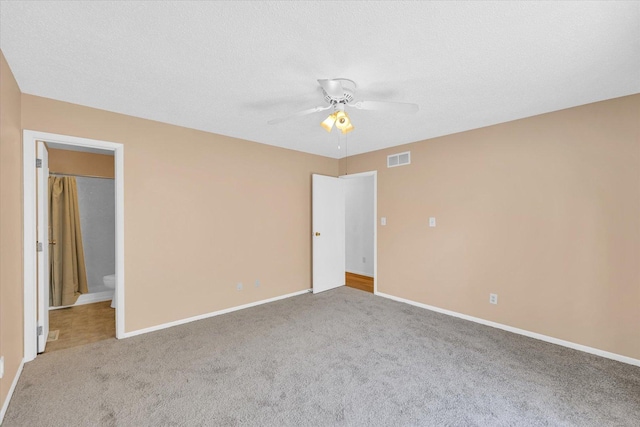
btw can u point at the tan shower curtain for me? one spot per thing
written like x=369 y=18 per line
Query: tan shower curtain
x=68 y=275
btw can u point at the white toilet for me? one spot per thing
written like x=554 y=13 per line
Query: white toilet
x=110 y=282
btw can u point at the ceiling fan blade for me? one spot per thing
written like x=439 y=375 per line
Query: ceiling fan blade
x=332 y=87
x=298 y=114
x=398 y=107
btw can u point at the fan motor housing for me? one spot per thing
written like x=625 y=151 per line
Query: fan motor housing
x=349 y=88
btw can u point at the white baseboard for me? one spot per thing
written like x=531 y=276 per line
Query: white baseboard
x=552 y=340
x=95 y=297
x=5 y=405
x=361 y=273
x=212 y=314
x=89 y=299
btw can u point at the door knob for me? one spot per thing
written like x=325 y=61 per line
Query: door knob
x=53 y=242
x=317 y=233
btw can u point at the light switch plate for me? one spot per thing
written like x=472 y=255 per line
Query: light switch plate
x=432 y=222
x=383 y=220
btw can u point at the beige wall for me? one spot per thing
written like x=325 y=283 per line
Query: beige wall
x=81 y=163
x=11 y=291
x=202 y=212
x=543 y=211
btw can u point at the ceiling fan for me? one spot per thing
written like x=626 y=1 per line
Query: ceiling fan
x=339 y=93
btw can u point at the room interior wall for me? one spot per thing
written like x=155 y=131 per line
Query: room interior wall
x=11 y=290
x=359 y=223
x=543 y=211
x=80 y=163
x=203 y=212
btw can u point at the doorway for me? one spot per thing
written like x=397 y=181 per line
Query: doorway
x=35 y=292
x=89 y=315
x=330 y=262
x=360 y=223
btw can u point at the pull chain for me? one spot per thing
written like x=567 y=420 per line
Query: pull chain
x=346 y=155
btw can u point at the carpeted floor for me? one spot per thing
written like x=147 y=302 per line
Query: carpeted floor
x=343 y=357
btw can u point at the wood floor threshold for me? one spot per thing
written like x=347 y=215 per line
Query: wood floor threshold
x=358 y=281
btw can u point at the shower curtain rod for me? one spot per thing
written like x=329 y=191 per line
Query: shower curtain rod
x=79 y=175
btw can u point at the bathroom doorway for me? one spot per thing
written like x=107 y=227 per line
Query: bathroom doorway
x=88 y=315
x=74 y=159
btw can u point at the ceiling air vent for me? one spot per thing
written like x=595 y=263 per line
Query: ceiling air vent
x=399 y=159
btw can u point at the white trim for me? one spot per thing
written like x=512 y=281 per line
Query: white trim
x=88 y=299
x=212 y=314
x=119 y=193
x=5 y=405
x=375 y=222
x=29 y=211
x=29 y=246
x=535 y=335
x=95 y=297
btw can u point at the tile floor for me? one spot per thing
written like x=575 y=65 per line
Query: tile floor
x=81 y=325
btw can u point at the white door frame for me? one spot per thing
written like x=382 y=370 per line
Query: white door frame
x=375 y=221
x=43 y=235
x=29 y=139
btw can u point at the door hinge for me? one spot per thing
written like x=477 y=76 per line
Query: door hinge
x=40 y=331
x=38 y=163
x=40 y=247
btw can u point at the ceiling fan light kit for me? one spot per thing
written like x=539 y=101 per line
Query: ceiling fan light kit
x=343 y=122
x=327 y=123
x=340 y=93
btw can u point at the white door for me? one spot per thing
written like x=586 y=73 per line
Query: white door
x=42 y=188
x=328 y=219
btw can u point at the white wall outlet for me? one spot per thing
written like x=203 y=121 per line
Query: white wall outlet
x=383 y=220
x=493 y=298
x=432 y=222
x=239 y=286
x=1 y=366
x=257 y=284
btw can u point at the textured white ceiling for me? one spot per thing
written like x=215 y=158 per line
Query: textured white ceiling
x=229 y=67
